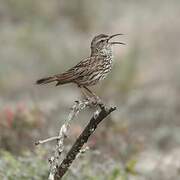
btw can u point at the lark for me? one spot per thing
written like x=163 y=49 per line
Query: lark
x=91 y=70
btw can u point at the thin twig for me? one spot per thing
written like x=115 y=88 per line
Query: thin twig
x=58 y=168
x=75 y=150
x=54 y=160
x=47 y=140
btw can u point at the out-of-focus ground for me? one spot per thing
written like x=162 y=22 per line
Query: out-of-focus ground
x=141 y=140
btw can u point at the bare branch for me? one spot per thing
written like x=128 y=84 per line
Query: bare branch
x=82 y=139
x=46 y=140
x=58 y=168
x=55 y=159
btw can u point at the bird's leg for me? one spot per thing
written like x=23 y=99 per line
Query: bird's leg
x=86 y=96
x=84 y=93
x=97 y=99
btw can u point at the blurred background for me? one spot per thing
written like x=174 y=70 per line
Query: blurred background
x=139 y=141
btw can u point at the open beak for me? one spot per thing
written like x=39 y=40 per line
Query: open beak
x=116 y=42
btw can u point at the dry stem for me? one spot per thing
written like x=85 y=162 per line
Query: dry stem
x=57 y=168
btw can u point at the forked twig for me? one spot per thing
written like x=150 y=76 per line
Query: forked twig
x=57 y=168
x=81 y=140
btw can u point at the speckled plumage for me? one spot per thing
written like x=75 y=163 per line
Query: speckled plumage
x=91 y=70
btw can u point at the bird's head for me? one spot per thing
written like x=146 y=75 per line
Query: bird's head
x=101 y=44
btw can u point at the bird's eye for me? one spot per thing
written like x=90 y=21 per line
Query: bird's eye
x=100 y=41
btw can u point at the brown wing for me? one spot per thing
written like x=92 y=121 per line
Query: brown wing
x=76 y=73
x=80 y=73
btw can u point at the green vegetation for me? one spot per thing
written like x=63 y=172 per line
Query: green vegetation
x=30 y=166
x=43 y=37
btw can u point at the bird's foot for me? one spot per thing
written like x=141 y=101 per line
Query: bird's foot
x=99 y=102
x=95 y=101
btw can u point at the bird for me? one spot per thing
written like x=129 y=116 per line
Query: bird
x=91 y=70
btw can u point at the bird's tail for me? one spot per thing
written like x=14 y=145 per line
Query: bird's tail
x=63 y=78
x=46 y=80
